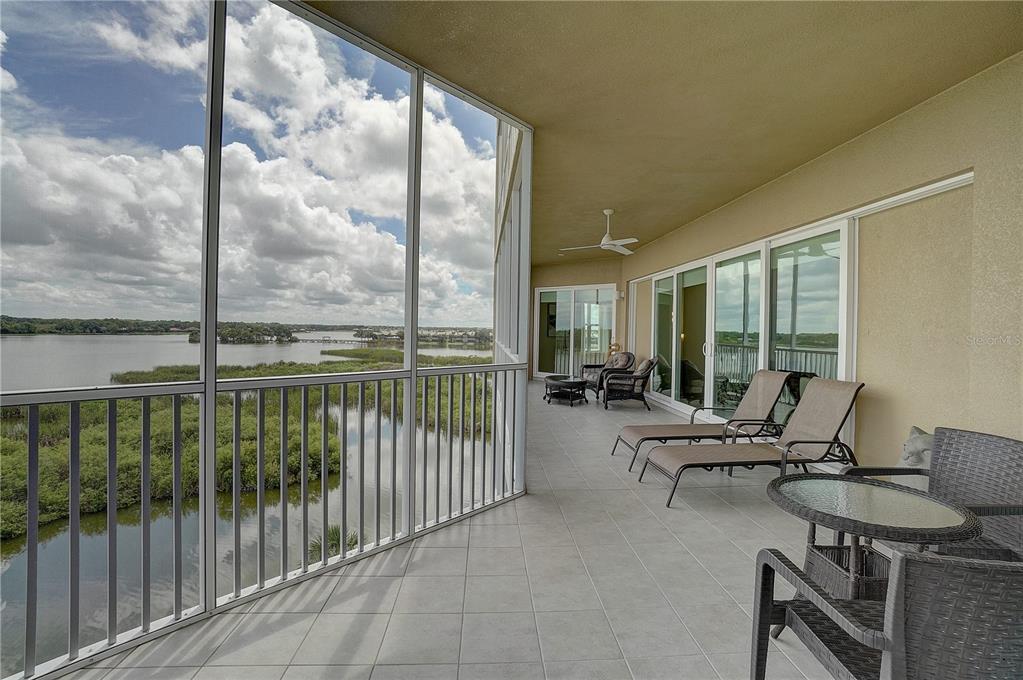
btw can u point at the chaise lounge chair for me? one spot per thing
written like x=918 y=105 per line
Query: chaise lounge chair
x=754 y=410
x=810 y=436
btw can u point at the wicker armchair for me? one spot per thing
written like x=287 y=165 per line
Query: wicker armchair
x=984 y=472
x=945 y=618
x=595 y=374
x=619 y=386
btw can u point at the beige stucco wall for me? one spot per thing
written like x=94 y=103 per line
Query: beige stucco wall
x=913 y=347
x=951 y=266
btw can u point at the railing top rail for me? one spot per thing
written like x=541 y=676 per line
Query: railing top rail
x=96 y=393
x=71 y=394
x=473 y=368
x=233 y=384
x=829 y=352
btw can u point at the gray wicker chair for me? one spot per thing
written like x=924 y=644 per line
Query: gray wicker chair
x=595 y=374
x=983 y=472
x=946 y=618
x=622 y=386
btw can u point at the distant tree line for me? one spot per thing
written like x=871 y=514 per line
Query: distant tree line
x=802 y=340
x=234 y=332
x=244 y=333
x=12 y=325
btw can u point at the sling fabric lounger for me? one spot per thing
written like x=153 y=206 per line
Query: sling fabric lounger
x=754 y=409
x=811 y=436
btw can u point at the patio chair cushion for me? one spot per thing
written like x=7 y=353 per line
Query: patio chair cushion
x=619 y=360
x=592 y=375
x=630 y=383
x=671 y=459
x=632 y=434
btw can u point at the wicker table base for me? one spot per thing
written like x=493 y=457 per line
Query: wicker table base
x=565 y=387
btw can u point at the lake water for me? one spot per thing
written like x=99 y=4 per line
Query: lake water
x=53 y=361
x=53 y=543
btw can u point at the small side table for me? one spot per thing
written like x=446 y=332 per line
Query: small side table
x=868 y=509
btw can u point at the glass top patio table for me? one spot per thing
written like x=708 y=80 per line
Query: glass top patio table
x=873 y=509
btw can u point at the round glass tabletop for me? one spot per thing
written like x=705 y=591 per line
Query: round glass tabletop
x=869 y=507
x=567 y=380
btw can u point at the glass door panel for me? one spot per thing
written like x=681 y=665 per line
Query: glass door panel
x=804 y=311
x=553 y=347
x=591 y=337
x=663 y=335
x=736 y=327
x=691 y=318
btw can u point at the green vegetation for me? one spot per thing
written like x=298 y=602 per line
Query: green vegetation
x=53 y=444
x=333 y=543
x=735 y=338
x=821 y=341
x=241 y=333
x=234 y=332
x=11 y=325
x=394 y=357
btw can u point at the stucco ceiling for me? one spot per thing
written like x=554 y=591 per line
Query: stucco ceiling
x=665 y=111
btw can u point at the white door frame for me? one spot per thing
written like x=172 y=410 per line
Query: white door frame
x=610 y=287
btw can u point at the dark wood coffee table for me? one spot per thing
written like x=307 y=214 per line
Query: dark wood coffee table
x=565 y=387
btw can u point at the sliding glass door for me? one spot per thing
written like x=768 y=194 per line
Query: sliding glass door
x=736 y=327
x=775 y=304
x=804 y=306
x=591 y=330
x=574 y=326
x=691 y=336
x=554 y=325
x=804 y=313
x=663 y=335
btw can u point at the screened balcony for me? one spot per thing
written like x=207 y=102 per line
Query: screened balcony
x=282 y=282
x=345 y=371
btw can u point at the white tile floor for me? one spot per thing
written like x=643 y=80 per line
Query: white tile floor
x=588 y=576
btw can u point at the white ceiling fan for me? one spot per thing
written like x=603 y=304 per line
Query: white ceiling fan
x=608 y=243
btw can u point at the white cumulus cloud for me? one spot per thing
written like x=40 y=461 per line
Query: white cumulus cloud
x=313 y=190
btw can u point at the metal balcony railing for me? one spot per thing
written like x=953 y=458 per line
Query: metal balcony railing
x=738 y=362
x=282 y=497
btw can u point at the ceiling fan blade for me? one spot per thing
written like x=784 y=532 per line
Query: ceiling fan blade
x=618 y=249
x=622 y=241
x=581 y=247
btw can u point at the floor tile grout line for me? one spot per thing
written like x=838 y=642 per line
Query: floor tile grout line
x=390 y=615
x=664 y=595
x=596 y=592
x=465 y=587
x=702 y=564
x=525 y=567
x=219 y=645
x=688 y=550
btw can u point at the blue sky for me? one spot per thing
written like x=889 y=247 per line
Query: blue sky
x=91 y=94
x=110 y=95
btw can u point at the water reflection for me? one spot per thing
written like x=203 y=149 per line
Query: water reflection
x=53 y=540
